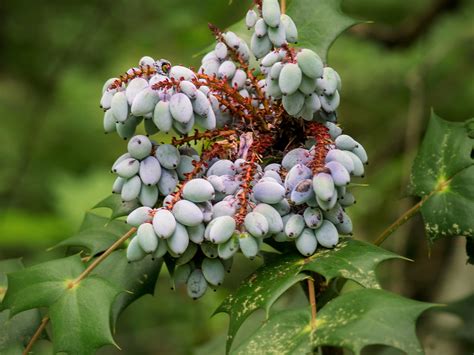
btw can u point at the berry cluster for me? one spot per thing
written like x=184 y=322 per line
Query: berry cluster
x=257 y=153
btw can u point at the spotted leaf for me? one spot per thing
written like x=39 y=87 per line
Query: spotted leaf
x=351 y=259
x=352 y=321
x=442 y=176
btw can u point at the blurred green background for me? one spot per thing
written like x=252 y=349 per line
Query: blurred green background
x=55 y=56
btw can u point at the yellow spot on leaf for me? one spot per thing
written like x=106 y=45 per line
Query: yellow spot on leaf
x=442 y=185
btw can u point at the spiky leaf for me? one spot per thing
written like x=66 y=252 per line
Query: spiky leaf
x=442 y=176
x=96 y=234
x=7 y=266
x=351 y=259
x=40 y=285
x=319 y=23
x=119 y=208
x=80 y=314
x=136 y=279
x=81 y=317
x=15 y=332
x=260 y=291
x=353 y=321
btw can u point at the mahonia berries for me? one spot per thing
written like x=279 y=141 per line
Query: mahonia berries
x=254 y=156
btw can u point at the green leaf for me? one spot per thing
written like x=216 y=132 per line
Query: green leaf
x=286 y=332
x=353 y=321
x=40 y=285
x=136 y=279
x=442 y=176
x=319 y=23
x=118 y=207
x=80 y=315
x=96 y=234
x=92 y=221
x=351 y=259
x=364 y=317
x=15 y=332
x=6 y=266
x=260 y=290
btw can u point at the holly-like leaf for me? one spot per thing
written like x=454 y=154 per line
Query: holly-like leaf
x=93 y=221
x=260 y=290
x=40 y=285
x=15 y=332
x=353 y=321
x=81 y=317
x=80 y=314
x=319 y=23
x=96 y=234
x=136 y=279
x=442 y=176
x=6 y=266
x=119 y=208
x=351 y=259
x=364 y=317
x=286 y=332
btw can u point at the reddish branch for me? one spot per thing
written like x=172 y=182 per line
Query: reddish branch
x=264 y=141
x=258 y=4
x=198 y=136
x=229 y=97
x=259 y=145
x=290 y=55
x=170 y=83
x=226 y=95
x=322 y=146
x=142 y=70
x=248 y=174
x=265 y=114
